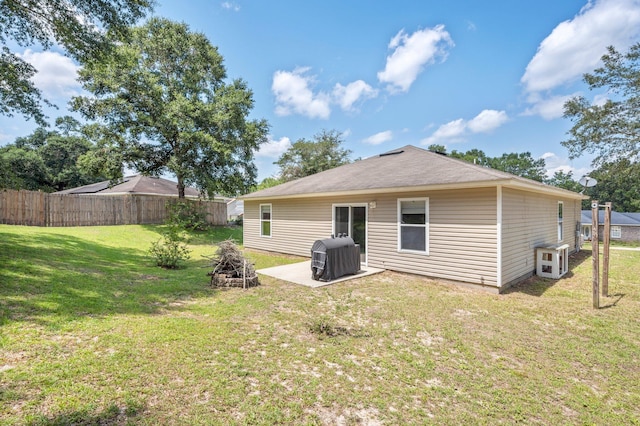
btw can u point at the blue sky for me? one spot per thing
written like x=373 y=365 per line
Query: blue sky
x=464 y=74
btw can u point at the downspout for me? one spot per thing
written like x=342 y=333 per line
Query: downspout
x=499 y=235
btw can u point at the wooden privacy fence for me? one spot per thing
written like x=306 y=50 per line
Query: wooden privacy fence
x=42 y=209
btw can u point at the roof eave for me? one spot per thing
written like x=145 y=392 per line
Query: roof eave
x=545 y=189
x=511 y=183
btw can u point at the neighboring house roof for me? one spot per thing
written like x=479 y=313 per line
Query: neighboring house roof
x=617 y=219
x=235 y=208
x=634 y=216
x=406 y=168
x=137 y=184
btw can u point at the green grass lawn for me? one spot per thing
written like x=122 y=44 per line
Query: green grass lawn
x=91 y=332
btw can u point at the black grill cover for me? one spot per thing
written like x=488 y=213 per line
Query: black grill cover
x=333 y=258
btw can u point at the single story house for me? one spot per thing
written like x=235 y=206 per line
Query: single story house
x=138 y=185
x=624 y=226
x=416 y=211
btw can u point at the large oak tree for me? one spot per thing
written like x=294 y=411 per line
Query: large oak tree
x=609 y=129
x=163 y=106
x=78 y=26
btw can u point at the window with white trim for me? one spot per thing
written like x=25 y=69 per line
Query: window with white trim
x=265 y=220
x=413 y=225
x=560 y=219
x=616 y=232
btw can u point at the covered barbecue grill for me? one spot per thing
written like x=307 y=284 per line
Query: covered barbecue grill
x=333 y=258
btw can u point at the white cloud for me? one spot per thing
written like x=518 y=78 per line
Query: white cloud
x=230 y=6
x=274 y=148
x=379 y=138
x=410 y=55
x=455 y=131
x=451 y=132
x=56 y=75
x=487 y=120
x=452 y=129
x=294 y=95
x=575 y=47
x=348 y=95
x=548 y=108
x=555 y=163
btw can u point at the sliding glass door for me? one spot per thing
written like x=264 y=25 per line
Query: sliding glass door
x=352 y=221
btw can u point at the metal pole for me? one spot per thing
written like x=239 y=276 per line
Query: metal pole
x=595 y=254
x=606 y=241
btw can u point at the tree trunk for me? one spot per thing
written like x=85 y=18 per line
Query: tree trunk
x=180 y=187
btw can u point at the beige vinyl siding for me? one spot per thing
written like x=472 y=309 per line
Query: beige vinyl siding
x=462 y=236
x=295 y=225
x=462 y=232
x=529 y=220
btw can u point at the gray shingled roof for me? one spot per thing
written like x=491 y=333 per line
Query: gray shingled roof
x=137 y=184
x=621 y=219
x=407 y=167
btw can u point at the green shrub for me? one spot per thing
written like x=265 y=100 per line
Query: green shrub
x=187 y=215
x=170 y=250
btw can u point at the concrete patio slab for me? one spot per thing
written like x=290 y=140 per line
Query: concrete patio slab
x=300 y=273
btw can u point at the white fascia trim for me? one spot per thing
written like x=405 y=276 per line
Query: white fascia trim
x=509 y=183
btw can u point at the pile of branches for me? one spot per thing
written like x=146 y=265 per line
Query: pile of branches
x=230 y=263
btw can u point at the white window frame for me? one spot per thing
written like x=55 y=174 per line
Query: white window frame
x=560 y=217
x=425 y=225
x=270 y=220
x=616 y=231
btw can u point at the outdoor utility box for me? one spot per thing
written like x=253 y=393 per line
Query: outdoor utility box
x=333 y=258
x=552 y=261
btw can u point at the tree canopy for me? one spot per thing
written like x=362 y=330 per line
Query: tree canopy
x=564 y=180
x=47 y=160
x=308 y=157
x=268 y=182
x=520 y=164
x=609 y=129
x=77 y=25
x=162 y=105
x=618 y=183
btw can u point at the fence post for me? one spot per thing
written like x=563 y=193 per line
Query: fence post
x=606 y=242
x=595 y=254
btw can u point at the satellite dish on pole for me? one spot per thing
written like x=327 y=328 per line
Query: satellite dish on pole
x=587 y=181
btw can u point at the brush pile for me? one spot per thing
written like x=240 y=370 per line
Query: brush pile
x=231 y=268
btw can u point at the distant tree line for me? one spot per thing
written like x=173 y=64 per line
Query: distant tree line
x=47 y=160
